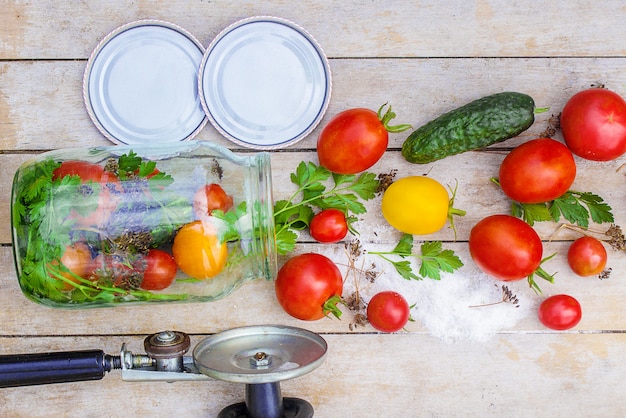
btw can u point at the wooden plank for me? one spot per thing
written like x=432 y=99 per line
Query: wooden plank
x=36 y=116
x=255 y=303
x=515 y=375
x=476 y=193
x=494 y=28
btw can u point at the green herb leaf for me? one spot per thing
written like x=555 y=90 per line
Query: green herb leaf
x=433 y=259
x=404 y=269
x=531 y=213
x=285 y=240
x=577 y=207
x=404 y=248
x=229 y=228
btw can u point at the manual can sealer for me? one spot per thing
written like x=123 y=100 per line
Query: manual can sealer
x=258 y=356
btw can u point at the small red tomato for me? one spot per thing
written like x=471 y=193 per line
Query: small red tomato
x=160 y=270
x=308 y=287
x=388 y=311
x=560 y=312
x=209 y=198
x=587 y=256
x=537 y=171
x=593 y=122
x=355 y=139
x=329 y=225
x=505 y=247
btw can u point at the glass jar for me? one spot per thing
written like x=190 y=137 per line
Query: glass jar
x=185 y=222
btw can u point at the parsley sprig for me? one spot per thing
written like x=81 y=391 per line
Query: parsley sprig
x=433 y=259
x=576 y=207
x=345 y=193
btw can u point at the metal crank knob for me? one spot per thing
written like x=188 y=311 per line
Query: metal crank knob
x=168 y=349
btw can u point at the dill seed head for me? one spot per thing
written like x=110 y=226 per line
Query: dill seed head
x=616 y=238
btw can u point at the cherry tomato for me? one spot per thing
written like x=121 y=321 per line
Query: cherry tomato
x=593 y=122
x=416 y=205
x=388 y=311
x=308 y=287
x=209 y=198
x=505 y=247
x=537 y=171
x=355 y=139
x=560 y=312
x=160 y=270
x=587 y=256
x=329 y=225
x=77 y=259
x=197 y=250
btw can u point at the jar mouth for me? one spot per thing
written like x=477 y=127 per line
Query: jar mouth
x=264 y=217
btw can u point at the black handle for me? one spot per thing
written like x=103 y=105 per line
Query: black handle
x=60 y=367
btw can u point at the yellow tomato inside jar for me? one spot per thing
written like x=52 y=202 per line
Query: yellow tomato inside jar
x=417 y=205
x=197 y=250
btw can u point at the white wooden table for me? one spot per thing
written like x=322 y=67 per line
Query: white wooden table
x=424 y=58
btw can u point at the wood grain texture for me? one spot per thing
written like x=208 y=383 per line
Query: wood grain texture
x=422 y=57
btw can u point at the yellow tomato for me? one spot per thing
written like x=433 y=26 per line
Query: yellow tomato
x=198 y=252
x=416 y=205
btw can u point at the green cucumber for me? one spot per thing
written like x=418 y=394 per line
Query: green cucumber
x=478 y=124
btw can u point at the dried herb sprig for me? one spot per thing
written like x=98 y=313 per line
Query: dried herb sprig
x=507 y=297
x=613 y=236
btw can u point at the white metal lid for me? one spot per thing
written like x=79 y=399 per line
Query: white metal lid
x=264 y=83
x=140 y=84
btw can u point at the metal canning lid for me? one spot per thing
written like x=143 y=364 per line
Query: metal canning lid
x=260 y=354
x=140 y=84
x=264 y=83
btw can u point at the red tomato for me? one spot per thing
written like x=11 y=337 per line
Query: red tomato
x=355 y=139
x=587 y=256
x=537 y=171
x=160 y=270
x=560 y=312
x=388 y=311
x=505 y=247
x=86 y=171
x=308 y=287
x=329 y=225
x=209 y=198
x=77 y=259
x=593 y=122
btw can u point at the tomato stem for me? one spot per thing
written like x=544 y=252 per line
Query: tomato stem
x=452 y=211
x=387 y=117
x=541 y=273
x=330 y=306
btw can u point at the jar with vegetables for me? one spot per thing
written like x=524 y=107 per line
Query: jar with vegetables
x=97 y=227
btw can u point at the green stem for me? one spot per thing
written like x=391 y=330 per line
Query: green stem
x=387 y=117
x=330 y=306
x=290 y=205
